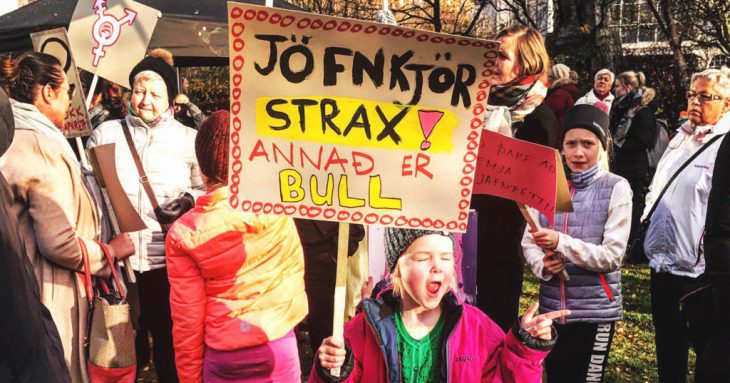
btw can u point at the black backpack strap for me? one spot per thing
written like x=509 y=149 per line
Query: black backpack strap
x=684 y=165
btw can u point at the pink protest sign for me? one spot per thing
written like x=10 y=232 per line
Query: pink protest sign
x=520 y=171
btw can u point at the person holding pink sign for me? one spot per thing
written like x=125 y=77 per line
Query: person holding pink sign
x=589 y=243
x=418 y=330
x=517 y=93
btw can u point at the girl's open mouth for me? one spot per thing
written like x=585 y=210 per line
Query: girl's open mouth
x=433 y=288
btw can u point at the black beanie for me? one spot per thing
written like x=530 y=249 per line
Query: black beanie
x=397 y=242
x=160 y=67
x=587 y=117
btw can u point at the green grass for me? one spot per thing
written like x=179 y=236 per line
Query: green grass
x=633 y=355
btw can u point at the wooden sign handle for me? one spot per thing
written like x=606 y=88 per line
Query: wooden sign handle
x=115 y=229
x=535 y=226
x=79 y=144
x=338 y=322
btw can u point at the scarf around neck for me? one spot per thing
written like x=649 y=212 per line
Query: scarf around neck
x=583 y=179
x=164 y=116
x=520 y=96
x=27 y=116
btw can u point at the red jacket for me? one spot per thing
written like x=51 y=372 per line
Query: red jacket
x=477 y=349
x=236 y=280
x=560 y=99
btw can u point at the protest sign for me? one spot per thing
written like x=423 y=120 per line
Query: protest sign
x=55 y=43
x=109 y=37
x=122 y=215
x=522 y=171
x=385 y=131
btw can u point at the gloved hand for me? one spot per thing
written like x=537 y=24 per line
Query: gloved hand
x=171 y=211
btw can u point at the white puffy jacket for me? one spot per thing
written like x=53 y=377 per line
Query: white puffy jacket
x=167 y=152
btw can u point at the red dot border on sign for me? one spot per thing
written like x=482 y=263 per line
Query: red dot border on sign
x=236 y=12
x=472 y=145
x=287 y=21
x=344 y=25
x=237 y=62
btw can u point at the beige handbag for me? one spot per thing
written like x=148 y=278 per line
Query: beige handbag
x=111 y=355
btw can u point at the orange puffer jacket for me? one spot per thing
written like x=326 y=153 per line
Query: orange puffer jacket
x=236 y=280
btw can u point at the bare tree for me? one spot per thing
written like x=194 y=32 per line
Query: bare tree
x=355 y=9
x=449 y=16
x=531 y=13
x=711 y=23
x=581 y=34
x=667 y=13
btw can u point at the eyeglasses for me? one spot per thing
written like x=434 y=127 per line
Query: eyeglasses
x=703 y=97
x=71 y=90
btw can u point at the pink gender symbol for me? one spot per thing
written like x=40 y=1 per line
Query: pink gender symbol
x=428 y=120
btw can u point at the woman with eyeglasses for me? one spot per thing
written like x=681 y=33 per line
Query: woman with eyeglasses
x=633 y=129
x=674 y=239
x=56 y=214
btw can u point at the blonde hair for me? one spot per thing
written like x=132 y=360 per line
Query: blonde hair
x=638 y=81
x=603 y=158
x=397 y=281
x=530 y=48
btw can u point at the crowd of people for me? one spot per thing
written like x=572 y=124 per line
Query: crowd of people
x=221 y=292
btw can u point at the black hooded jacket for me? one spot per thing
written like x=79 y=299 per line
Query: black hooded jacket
x=30 y=347
x=712 y=366
x=631 y=159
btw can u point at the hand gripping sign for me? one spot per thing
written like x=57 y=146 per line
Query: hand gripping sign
x=382 y=132
x=55 y=43
x=109 y=37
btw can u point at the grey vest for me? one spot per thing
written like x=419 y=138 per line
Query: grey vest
x=584 y=294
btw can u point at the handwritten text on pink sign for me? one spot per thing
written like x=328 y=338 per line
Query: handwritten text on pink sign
x=517 y=170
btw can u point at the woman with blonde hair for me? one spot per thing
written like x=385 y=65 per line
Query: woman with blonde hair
x=633 y=128
x=522 y=61
x=515 y=97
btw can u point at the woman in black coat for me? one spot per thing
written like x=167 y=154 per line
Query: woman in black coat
x=633 y=128
x=712 y=366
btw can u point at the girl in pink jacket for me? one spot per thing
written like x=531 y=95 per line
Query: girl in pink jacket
x=419 y=332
